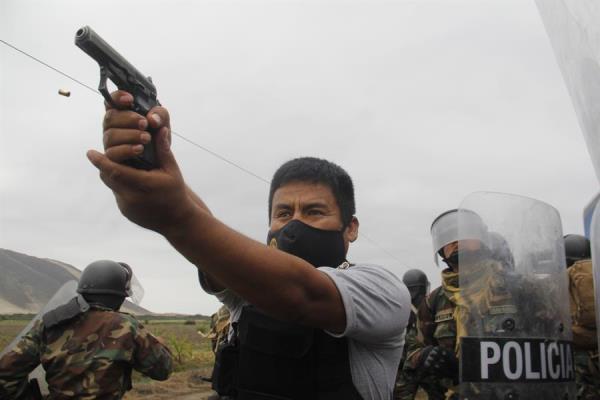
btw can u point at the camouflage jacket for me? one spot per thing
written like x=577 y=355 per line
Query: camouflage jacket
x=219 y=327
x=436 y=327
x=406 y=386
x=88 y=357
x=435 y=323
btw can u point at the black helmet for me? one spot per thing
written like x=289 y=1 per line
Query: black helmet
x=577 y=248
x=105 y=277
x=415 y=277
x=417 y=283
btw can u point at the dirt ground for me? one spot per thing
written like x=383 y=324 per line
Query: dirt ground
x=187 y=385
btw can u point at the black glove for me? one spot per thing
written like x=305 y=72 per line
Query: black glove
x=440 y=362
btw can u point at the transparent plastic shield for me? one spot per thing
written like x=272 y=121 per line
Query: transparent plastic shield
x=513 y=309
x=595 y=242
x=61 y=297
x=137 y=291
x=573 y=27
x=588 y=213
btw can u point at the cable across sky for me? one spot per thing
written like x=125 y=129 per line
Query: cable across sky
x=193 y=143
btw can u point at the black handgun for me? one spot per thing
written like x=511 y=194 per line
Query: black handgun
x=126 y=77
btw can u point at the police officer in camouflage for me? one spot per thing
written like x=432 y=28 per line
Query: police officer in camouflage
x=86 y=346
x=432 y=359
x=581 y=291
x=418 y=286
x=436 y=332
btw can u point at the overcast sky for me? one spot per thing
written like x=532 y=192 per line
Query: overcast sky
x=422 y=102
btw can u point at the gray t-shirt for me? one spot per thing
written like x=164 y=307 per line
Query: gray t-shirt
x=377 y=306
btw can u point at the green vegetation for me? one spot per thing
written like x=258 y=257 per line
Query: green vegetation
x=190 y=349
x=184 y=337
x=193 y=362
x=10 y=328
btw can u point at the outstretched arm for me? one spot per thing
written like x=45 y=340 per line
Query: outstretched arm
x=280 y=284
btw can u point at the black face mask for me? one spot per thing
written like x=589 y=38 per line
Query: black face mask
x=316 y=246
x=452 y=259
x=465 y=256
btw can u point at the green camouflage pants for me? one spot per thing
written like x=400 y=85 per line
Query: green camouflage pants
x=407 y=386
x=587 y=375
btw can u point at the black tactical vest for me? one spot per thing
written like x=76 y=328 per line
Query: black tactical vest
x=274 y=360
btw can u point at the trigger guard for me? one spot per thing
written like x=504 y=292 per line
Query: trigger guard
x=103 y=89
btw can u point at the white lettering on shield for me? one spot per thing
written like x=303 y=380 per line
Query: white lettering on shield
x=553 y=360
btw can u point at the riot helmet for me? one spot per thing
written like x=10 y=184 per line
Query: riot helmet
x=445 y=230
x=577 y=248
x=417 y=283
x=106 y=283
x=500 y=250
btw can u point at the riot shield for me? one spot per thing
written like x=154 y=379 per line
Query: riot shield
x=62 y=296
x=588 y=213
x=137 y=290
x=513 y=319
x=573 y=27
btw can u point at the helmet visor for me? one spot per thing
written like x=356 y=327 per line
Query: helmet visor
x=444 y=229
x=133 y=288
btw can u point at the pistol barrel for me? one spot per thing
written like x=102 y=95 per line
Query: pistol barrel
x=121 y=71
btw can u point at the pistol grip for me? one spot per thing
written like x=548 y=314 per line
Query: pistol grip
x=146 y=160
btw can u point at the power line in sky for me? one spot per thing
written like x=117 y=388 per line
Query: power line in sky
x=49 y=66
x=260 y=178
x=205 y=149
x=213 y=153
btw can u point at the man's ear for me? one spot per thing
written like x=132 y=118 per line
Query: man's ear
x=351 y=231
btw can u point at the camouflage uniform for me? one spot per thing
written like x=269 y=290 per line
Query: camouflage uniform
x=587 y=374
x=435 y=326
x=219 y=327
x=406 y=385
x=88 y=357
x=407 y=382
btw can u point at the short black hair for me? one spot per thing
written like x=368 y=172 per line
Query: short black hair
x=316 y=170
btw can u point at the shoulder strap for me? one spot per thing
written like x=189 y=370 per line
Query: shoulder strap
x=77 y=305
